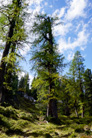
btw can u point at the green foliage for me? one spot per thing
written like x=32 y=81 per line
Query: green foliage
x=28 y=125
x=47 y=61
x=77 y=66
x=24 y=84
x=33 y=90
x=88 y=90
x=74 y=83
x=13 y=34
x=13 y=11
x=8 y=112
x=26 y=116
x=79 y=129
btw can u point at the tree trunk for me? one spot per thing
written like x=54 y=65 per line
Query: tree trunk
x=8 y=72
x=75 y=107
x=67 y=110
x=5 y=54
x=52 y=105
x=6 y=51
x=82 y=114
x=82 y=99
x=52 y=108
x=76 y=112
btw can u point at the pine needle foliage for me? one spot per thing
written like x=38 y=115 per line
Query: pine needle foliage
x=45 y=57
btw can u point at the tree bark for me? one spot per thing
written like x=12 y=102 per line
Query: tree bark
x=75 y=106
x=5 y=54
x=82 y=114
x=52 y=108
x=76 y=112
x=6 y=51
x=82 y=99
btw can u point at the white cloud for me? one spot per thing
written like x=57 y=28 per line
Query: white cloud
x=62 y=29
x=79 y=34
x=0 y=55
x=29 y=23
x=30 y=2
x=59 y=13
x=83 y=48
x=21 y=74
x=80 y=41
x=70 y=55
x=51 y=6
x=90 y=21
x=45 y=3
x=5 y=2
x=76 y=9
x=37 y=9
x=25 y=49
x=78 y=27
x=30 y=79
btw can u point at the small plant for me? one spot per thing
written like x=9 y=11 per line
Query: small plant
x=79 y=128
x=73 y=135
x=8 y=112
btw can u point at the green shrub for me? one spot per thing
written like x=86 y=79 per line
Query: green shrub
x=8 y=112
x=26 y=116
x=73 y=135
x=4 y=122
x=79 y=128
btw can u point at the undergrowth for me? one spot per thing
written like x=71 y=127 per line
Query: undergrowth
x=27 y=122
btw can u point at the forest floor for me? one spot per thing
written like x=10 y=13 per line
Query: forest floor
x=27 y=122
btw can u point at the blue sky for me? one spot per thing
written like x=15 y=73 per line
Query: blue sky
x=74 y=34
x=76 y=31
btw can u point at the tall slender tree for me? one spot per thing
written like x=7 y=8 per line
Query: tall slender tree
x=47 y=61
x=88 y=90
x=12 y=13
x=24 y=83
x=76 y=75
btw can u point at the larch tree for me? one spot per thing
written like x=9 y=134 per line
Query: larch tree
x=72 y=89
x=12 y=27
x=88 y=90
x=76 y=80
x=47 y=62
x=33 y=91
x=24 y=84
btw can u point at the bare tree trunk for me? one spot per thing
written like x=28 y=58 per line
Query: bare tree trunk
x=75 y=106
x=76 y=112
x=82 y=98
x=52 y=108
x=52 y=104
x=82 y=114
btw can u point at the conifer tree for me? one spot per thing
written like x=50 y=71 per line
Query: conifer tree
x=24 y=83
x=76 y=80
x=47 y=62
x=88 y=90
x=11 y=18
x=33 y=91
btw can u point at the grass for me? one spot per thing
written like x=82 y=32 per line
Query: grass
x=27 y=122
